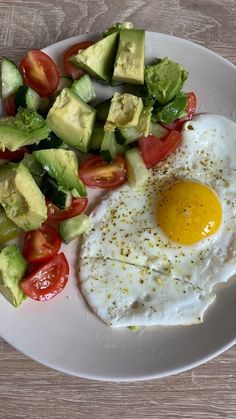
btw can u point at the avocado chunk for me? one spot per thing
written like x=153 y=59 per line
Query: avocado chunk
x=62 y=165
x=174 y=109
x=27 y=127
x=117 y=27
x=145 y=120
x=164 y=80
x=124 y=111
x=97 y=60
x=73 y=227
x=21 y=198
x=129 y=62
x=72 y=119
x=12 y=270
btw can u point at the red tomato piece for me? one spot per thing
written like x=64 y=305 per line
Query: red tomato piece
x=47 y=280
x=190 y=109
x=78 y=205
x=97 y=173
x=40 y=72
x=155 y=149
x=13 y=155
x=10 y=105
x=41 y=244
x=69 y=68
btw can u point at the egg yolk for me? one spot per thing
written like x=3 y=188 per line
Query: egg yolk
x=188 y=212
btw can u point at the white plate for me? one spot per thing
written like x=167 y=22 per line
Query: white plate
x=63 y=333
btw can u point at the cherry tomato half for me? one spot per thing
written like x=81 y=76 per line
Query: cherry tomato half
x=10 y=105
x=41 y=244
x=40 y=72
x=190 y=109
x=13 y=155
x=97 y=173
x=69 y=68
x=47 y=280
x=154 y=149
x=78 y=205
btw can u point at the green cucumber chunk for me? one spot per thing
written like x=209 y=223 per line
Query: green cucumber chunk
x=84 y=88
x=26 y=97
x=158 y=130
x=8 y=230
x=59 y=196
x=110 y=148
x=137 y=173
x=72 y=228
x=97 y=138
x=32 y=165
x=11 y=78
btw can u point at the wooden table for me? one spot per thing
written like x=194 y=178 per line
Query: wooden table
x=29 y=390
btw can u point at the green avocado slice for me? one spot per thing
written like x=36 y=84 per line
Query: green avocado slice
x=98 y=59
x=12 y=269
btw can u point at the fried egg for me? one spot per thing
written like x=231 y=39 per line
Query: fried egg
x=180 y=223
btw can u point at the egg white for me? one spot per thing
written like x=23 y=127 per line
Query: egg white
x=124 y=226
x=126 y=295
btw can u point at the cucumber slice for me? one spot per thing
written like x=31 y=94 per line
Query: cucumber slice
x=110 y=148
x=84 y=88
x=32 y=165
x=73 y=227
x=127 y=135
x=103 y=110
x=28 y=98
x=137 y=173
x=59 y=196
x=97 y=137
x=11 y=78
x=158 y=130
x=8 y=230
x=52 y=141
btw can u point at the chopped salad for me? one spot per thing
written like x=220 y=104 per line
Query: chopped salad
x=51 y=121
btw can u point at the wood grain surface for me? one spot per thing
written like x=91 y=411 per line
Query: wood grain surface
x=30 y=390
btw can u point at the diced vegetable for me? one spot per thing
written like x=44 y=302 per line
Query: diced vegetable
x=84 y=88
x=110 y=148
x=11 y=78
x=59 y=196
x=137 y=173
x=41 y=244
x=97 y=173
x=154 y=149
x=8 y=230
x=73 y=227
x=46 y=281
